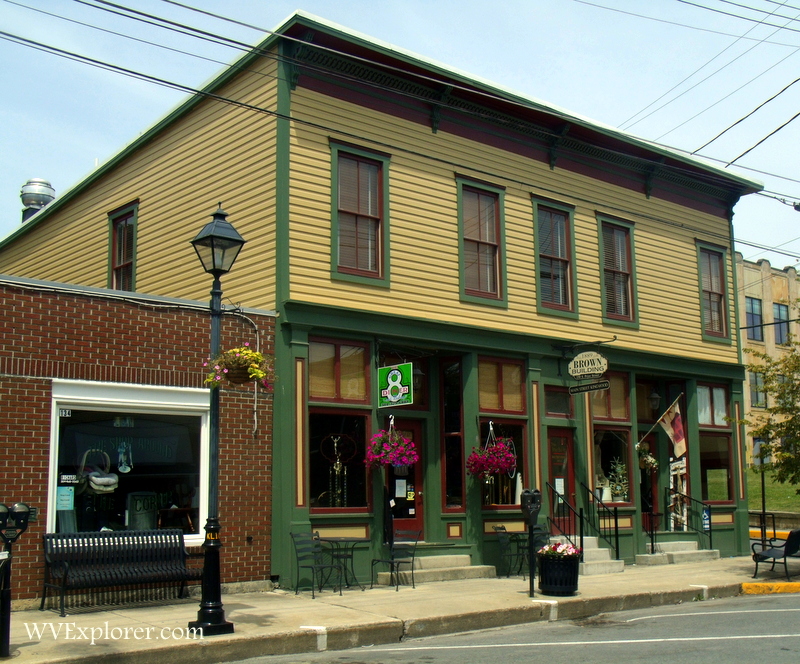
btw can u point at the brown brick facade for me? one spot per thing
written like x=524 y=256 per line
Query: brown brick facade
x=64 y=332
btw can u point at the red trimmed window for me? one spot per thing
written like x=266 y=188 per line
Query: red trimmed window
x=617 y=277
x=337 y=371
x=481 y=212
x=712 y=277
x=359 y=215
x=501 y=386
x=123 y=238
x=554 y=258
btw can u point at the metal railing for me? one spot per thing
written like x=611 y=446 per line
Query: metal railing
x=685 y=513
x=763 y=518
x=564 y=519
x=602 y=519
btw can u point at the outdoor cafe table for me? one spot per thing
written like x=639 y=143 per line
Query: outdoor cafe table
x=342 y=550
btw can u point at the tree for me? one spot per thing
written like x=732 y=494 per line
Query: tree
x=779 y=425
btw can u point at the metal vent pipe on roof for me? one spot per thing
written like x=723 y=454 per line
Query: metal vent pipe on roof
x=35 y=194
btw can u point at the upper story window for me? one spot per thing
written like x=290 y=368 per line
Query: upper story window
x=360 y=214
x=337 y=371
x=501 y=386
x=123 y=248
x=554 y=257
x=712 y=285
x=780 y=315
x=758 y=397
x=480 y=217
x=755 y=331
x=712 y=406
x=618 y=300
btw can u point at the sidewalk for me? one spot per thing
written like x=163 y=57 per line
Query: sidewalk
x=279 y=622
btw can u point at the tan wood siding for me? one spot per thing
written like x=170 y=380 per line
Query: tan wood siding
x=424 y=235
x=215 y=153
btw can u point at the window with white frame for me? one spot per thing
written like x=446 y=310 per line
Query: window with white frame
x=128 y=458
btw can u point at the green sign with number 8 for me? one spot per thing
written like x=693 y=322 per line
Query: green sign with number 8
x=395 y=385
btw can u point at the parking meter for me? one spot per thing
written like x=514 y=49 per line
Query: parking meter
x=13 y=522
x=531 y=504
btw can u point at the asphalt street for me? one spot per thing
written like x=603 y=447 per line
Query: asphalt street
x=739 y=629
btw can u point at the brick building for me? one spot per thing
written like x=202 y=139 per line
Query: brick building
x=87 y=368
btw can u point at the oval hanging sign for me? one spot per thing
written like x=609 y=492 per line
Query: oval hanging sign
x=587 y=365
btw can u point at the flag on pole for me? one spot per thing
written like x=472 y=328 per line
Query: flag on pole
x=673 y=424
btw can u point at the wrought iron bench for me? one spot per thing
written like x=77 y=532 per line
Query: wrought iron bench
x=110 y=559
x=774 y=554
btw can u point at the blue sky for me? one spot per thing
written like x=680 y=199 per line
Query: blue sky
x=666 y=70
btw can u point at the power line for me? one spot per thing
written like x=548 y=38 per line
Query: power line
x=696 y=84
x=743 y=118
x=772 y=133
x=742 y=18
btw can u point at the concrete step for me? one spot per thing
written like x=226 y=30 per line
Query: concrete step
x=602 y=567
x=439 y=562
x=671 y=547
x=440 y=574
x=693 y=556
x=596 y=555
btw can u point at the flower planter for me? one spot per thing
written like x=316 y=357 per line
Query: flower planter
x=558 y=575
x=238 y=375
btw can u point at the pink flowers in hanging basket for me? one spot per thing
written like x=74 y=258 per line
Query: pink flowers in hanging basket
x=390 y=448
x=493 y=460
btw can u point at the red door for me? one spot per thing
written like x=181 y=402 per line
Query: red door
x=405 y=486
x=562 y=476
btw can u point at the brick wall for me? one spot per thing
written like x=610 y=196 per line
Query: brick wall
x=63 y=333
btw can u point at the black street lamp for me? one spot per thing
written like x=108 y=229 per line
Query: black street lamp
x=217 y=246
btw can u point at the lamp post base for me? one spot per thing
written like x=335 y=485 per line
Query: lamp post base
x=211 y=623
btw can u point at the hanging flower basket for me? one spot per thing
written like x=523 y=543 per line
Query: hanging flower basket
x=240 y=365
x=493 y=460
x=390 y=448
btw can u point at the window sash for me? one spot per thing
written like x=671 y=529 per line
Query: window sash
x=780 y=315
x=712 y=284
x=481 y=224
x=554 y=258
x=337 y=372
x=501 y=386
x=617 y=271
x=754 y=319
x=122 y=252
x=359 y=208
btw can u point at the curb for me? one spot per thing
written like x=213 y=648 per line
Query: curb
x=387 y=631
x=770 y=588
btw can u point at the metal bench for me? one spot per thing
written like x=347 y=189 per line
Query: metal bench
x=114 y=558
x=780 y=553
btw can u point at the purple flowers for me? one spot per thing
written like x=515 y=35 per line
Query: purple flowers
x=493 y=460
x=390 y=448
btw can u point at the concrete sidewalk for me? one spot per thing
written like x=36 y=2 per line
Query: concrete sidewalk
x=279 y=622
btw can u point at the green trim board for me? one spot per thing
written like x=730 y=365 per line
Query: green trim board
x=384 y=277
x=501 y=298
x=436 y=335
x=603 y=220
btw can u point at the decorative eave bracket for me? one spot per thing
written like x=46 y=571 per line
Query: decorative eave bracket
x=436 y=108
x=555 y=143
x=651 y=176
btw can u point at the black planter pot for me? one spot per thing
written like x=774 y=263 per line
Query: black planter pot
x=558 y=576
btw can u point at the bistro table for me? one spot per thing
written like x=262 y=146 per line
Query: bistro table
x=342 y=551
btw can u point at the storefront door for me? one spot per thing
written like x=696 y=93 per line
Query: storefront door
x=562 y=475
x=405 y=485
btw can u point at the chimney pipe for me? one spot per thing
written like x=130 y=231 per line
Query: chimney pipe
x=35 y=194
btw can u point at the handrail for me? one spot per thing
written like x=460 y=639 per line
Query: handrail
x=697 y=516
x=570 y=523
x=762 y=524
x=602 y=519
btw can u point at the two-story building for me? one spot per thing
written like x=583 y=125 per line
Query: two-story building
x=399 y=211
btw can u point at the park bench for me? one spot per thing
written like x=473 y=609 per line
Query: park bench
x=777 y=552
x=111 y=559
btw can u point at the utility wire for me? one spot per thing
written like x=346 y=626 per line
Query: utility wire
x=743 y=118
x=743 y=18
x=772 y=133
x=708 y=62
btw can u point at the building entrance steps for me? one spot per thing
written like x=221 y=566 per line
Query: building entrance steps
x=596 y=559
x=670 y=553
x=441 y=568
